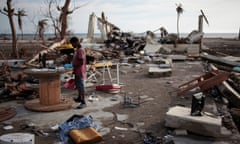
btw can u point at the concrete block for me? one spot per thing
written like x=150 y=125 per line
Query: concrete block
x=193 y=51
x=152 y=48
x=156 y=71
x=180 y=118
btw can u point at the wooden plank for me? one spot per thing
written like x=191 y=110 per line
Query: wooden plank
x=219 y=60
x=204 y=82
x=230 y=93
x=7 y=113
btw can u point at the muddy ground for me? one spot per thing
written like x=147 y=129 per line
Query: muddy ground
x=159 y=95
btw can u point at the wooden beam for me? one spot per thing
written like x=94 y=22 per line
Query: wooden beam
x=219 y=60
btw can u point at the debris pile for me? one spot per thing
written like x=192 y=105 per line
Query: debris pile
x=219 y=82
x=17 y=84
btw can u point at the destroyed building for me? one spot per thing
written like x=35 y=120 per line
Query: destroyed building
x=139 y=91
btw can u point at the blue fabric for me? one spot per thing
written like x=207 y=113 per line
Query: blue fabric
x=75 y=123
x=68 y=66
x=236 y=68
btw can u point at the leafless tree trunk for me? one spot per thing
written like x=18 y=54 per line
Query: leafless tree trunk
x=9 y=12
x=63 y=18
x=60 y=22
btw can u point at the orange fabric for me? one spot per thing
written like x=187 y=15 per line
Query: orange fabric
x=85 y=136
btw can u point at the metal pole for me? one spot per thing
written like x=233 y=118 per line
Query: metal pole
x=200 y=29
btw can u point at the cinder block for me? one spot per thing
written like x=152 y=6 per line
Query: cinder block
x=180 y=118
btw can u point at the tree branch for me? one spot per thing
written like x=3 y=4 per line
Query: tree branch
x=75 y=8
x=4 y=13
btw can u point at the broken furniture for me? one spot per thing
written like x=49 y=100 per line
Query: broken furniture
x=49 y=91
x=231 y=93
x=204 y=82
x=208 y=125
x=103 y=64
x=112 y=87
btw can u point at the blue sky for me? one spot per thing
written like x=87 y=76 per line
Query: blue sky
x=137 y=15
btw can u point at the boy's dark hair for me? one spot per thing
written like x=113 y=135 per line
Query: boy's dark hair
x=74 y=40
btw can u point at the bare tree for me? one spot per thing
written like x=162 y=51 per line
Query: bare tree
x=64 y=12
x=51 y=13
x=20 y=13
x=59 y=16
x=63 y=17
x=9 y=12
x=179 y=10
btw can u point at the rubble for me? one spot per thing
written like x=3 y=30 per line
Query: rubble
x=140 y=58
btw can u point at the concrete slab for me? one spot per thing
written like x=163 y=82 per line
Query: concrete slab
x=156 y=71
x=49 y=119
x=152 y=48
x=178 y=57
x=188 y=140
x=180 y=118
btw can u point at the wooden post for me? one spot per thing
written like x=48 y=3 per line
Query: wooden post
x=239 y=34
x=200 y=29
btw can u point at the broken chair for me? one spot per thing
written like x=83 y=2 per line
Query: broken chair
x=91 y=73
x=204 y=82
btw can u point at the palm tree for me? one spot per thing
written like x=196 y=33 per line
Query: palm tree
x=179 y=10
x=41 y=28
x=20 y=13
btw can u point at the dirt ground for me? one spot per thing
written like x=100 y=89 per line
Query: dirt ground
x=151 y=113
x=162 y=90
x=159 y=95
